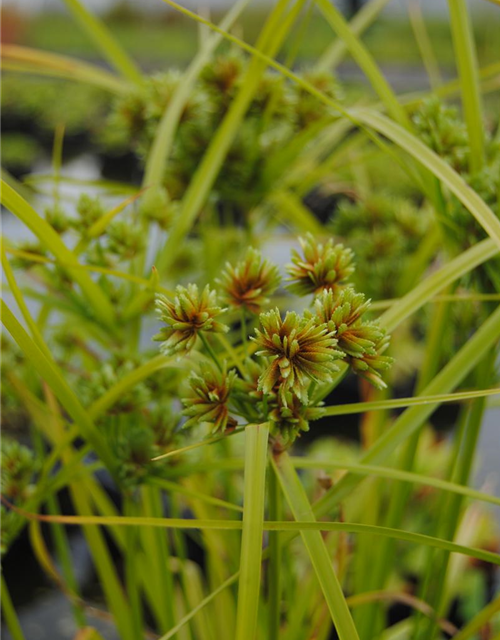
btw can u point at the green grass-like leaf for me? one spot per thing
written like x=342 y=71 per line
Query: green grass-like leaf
x=26 y=60
x=105 y=41
x=465 y=53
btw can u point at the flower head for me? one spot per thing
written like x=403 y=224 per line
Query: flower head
x=18 y=467
x=290 y=419
x=371 y=364
x=248 y=283
x=125 y=240
x=440 y=127
x=89 y=210
x=323 y=266
x=185 y=316
x=363 y=342
x=209 y=403
x=300 y=351
x=343 y=314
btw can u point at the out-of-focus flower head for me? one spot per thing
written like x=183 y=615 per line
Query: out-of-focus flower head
x=18 y=467
x=440 y=127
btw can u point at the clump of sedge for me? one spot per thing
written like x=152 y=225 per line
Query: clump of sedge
x=289 y=356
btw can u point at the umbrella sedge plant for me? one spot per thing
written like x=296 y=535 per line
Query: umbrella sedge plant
x=223 y=437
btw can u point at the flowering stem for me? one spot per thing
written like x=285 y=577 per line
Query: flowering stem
x=275 y=556
x=211 y=352
x=256 y=437
x=131 y=576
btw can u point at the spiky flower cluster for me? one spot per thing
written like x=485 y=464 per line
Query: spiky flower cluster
x=299 y=350
x=321 y=267
x=294 y=353
x=291 y=417
x=186 y=316
x=363 y=342
x=248 y=284
x=209 y=402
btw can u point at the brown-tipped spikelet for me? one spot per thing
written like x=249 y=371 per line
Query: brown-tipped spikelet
x=322 y=267
x=300 y=351
x=185 y=316
x=210 y=401
x=248 y=283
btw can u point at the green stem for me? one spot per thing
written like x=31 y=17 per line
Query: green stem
x=131 y=577
x=275 y=557
x=9 y=614
x=105 y=41
x=202 y=624
x=316 y=548
x=465 y=53
x=426 y=587
x=211 y=352
x=256 y=438
x=103 y=563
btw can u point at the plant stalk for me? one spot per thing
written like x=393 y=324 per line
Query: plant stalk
x=316 y=547
x=256 y=438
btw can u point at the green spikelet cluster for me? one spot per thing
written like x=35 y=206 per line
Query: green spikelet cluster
x=186 y=316
x=299 y=350
x=363 y=342
x=321 y=267
x=288 y=355
x=250 y=282
x=209 y=402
